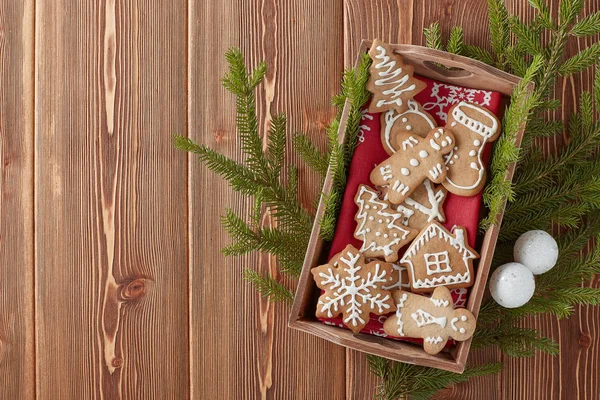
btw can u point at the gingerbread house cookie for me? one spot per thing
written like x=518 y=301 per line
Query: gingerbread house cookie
x=439 y=258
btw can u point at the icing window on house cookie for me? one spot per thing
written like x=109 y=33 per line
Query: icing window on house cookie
x=437 y=263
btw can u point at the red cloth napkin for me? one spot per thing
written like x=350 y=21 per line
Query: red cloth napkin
x=436 y=99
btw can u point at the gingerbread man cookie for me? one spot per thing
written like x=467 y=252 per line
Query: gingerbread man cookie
x=391 y=82
x=417 y=158
x=379 y=226
x=414 y=120
x=473 y=126
x=434 y=319
x=439 y=258
x=353 y=288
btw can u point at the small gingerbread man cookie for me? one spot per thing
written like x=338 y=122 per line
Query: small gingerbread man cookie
x=379 y=226
x=417 y=158
x=473 y=126
x=434 y=319
x=353 y=288
x=391 y=82
x=414 y=120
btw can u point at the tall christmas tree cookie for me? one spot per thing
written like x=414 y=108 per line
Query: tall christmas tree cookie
x=379 y=226
x=391 y=81
x=434 y=319
x=473 y=126
x=417 y=159
x=439 y=258
x=353 y=288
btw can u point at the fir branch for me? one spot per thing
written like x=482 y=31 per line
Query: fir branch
x=269 y=287
x=587 y=26
x=499 y=29
x=582 y=60
x=543 y=13
x=513 y=340
x=478 y=53
x=400 y=380
x=276 y=145
x=568 y=11
x=311 y=155
x=456 y=41
x=433 y=36
x=527 y=38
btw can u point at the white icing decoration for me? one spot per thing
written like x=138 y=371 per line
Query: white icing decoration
x=463 y=318
x=435 y=232
x=390 y=119
x=393 y=222
x=399 y=308
x=434 y=340
x=476 y=142
x=453 y=322
x=353 y=291
x=462 y=330
x=480 y=128
x=414 y=162
x=410 y=142
x=408 y=128
x=434 y=145
x=391 y=75
x=437 y=134
x=400 y=187
x=439 y=302
x=436 y=263
x=451 y=163
x=436 y=171
x=456 y=156
x=386 y=172
x=423 y=318
x=435 y=200
x=472 y=153
x=423 y=154
x=444 y=143
x=405 y=171
x=453 y=124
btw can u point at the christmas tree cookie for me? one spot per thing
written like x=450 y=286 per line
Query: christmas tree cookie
x=379 y=226
x=391 y=81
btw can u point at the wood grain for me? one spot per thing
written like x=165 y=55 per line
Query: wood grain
x=17 y=347
x=237 y=336
x=110 y=189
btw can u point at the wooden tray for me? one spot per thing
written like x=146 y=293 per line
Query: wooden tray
x=471 y=74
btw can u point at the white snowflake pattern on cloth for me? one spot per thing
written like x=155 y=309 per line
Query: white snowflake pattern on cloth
x=444 y=95
x=364 y=128
x=350 y=292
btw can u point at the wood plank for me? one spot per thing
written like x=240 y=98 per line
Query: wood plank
x=17 y=347
x=110 y=197
x=238 y=337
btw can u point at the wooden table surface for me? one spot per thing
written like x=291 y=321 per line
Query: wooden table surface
x=111 y=282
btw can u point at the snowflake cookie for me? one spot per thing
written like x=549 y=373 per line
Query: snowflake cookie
x=417 y=159
x=434 y=319
x=353 y=288
x=379 y=226
x=391 y=81
x=439 y=258
x=473 y=127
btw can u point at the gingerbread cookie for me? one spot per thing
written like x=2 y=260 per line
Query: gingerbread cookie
x=424 y=205
x=414 y=120
x=434 y=319
x=473 y=126
x=400 y=279
x=438 y=258
x=417 y=158
x=379 y=226
x=391 y=81
x=353 y=288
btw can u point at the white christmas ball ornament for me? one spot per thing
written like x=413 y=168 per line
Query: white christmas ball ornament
x=536 y=250
x=512 y=285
